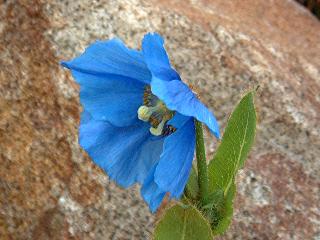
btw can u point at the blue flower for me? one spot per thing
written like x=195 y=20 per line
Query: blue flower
x=138 y=116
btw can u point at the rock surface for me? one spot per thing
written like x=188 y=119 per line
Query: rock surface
x=49 y=188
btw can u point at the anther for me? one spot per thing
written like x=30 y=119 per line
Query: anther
x=144 y=113
x=158 y=130
x=168 y=130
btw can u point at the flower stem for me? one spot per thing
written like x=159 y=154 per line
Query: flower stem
x=201 y=162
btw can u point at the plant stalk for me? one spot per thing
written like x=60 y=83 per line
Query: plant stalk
x=201 y=162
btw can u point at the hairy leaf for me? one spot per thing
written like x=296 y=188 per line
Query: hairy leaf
x=183 y=223
x=229 y=158
x=235 y=145
x=192 y=187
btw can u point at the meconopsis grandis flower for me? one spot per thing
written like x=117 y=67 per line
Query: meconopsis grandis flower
x=138 y=116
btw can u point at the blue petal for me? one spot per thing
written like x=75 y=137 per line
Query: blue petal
x=178 y=97
x=127 y=154
x=175 y=163
x=156 y=57
x=115 y=99
x=111 y=58
x=151 y=193
x=178 y=120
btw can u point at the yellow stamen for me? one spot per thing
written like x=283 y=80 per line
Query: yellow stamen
x=158 y=130
x=144 y=113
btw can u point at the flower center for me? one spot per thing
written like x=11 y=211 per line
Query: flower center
x=156 y=113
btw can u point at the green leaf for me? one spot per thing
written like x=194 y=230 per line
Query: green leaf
x=215 y=199
x=229 y=158
x=183 y=223
x=192 y=188
x=235 y=145
x=226 y=212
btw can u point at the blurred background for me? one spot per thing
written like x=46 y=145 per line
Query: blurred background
x=50 y=189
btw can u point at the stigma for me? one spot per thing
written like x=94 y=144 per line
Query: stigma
x=156 y=113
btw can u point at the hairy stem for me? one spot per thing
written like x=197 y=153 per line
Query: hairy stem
x=201 y=162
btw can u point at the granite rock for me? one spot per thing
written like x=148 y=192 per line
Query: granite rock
x=50 y=189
